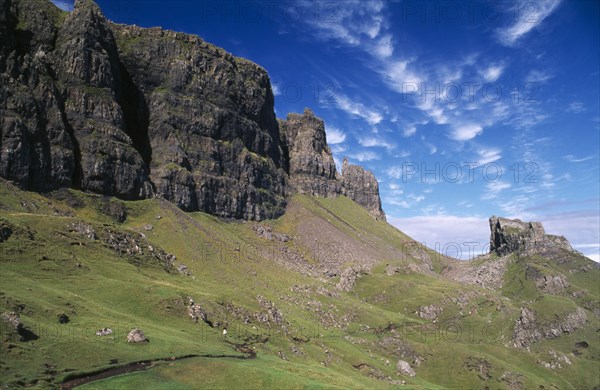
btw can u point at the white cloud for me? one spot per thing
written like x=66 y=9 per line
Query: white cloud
x=409 y=131
x=493 y=189
x=576 y=107
x=395 y=172
x=371 y=141
x=594 y=257
x=402 y=154
x=334 y=135
x=365 y=156
x=407 y=201
x=517 y=207
x=538 y=76
x=372 y=117
x=432 y=148
x=572 y=159
x=336 y=149
x=528 y=15
x=384 y=47
x=447 y=233
x=356 y=23
x=581 y=228
x=488 y=155
x=466 y=132
x=398 y=77
x=276 y=90
x=492 y=73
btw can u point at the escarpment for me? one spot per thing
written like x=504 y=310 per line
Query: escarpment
x=141 y=112
x=514 y=236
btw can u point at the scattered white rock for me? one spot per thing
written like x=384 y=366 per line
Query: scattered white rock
x=104 y=332
x=403 y=368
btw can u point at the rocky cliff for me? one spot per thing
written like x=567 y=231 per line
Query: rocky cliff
x=361 y=186
x=135 y=113
x=514 y=236
x=312 y=168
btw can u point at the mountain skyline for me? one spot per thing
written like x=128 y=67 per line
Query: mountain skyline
x=462 y=111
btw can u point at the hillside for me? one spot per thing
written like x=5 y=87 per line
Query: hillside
x=324 y=296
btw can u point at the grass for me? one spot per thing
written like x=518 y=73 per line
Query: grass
x=47 y=269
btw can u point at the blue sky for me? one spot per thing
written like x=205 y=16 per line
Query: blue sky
x=463 y=110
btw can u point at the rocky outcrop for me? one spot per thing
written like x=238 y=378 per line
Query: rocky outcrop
x=361 y=186
x=430 y=312
x=514 y=236
x=551 y=284
x=134 y=113
x=312 y=168
x=197 y=312
x=528 y=330
x=349 y=277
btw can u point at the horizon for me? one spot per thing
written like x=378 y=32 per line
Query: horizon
x=462 y=111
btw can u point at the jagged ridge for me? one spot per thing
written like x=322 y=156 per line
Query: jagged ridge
x=135 y=113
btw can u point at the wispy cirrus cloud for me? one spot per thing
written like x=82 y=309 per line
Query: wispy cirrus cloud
x=572 y=159
x=528 y=16
x=376 y=141
x=354 y=23
x=276 y=89
x=576 y=107
x=538 y=76
x=493 y=189
x=358 y=109
x=488 y=155
x=492 y=73
x=409 y=130
x=365 y=156
x=466 y=132
x=334 y=135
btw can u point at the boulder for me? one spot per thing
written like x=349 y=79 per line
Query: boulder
x=136 y=336
x=403 y=368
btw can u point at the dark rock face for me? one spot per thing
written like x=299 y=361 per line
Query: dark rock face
x=512 y=236
x=361 y=186
x=61 y=92
x=212 y=130
x=312 y=168
x=135 y=113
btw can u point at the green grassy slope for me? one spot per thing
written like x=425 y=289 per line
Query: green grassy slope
x=325 y=339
